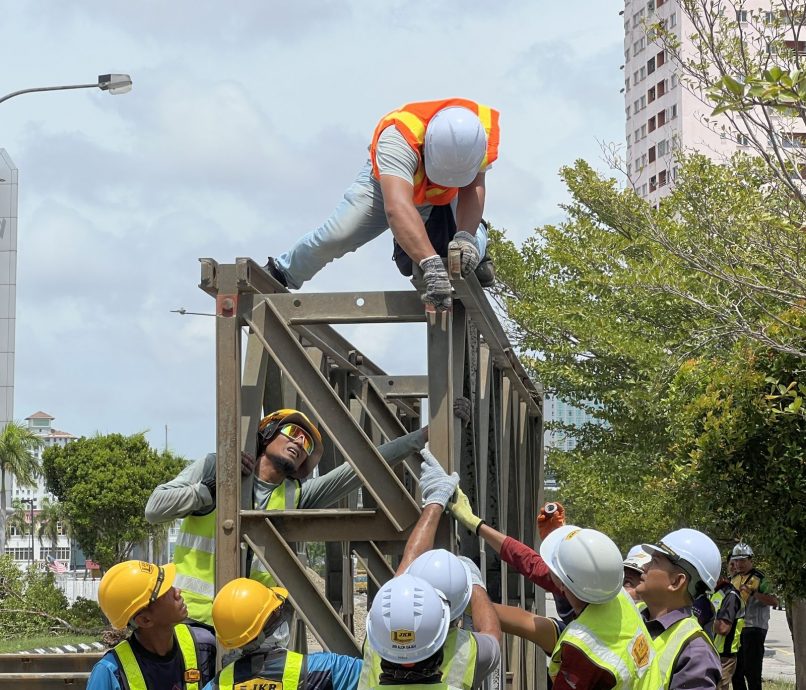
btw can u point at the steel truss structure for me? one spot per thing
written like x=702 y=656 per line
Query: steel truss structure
x=295 y=358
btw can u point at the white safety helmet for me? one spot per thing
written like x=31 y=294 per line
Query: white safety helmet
x=741 y=550
x=696 y=553
x=445 y=572
x=637 y=558
x=455 y=146
x=587 y=562
x=408 y=621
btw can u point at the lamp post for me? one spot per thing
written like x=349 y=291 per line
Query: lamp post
x=30 y=502
x=113 y=83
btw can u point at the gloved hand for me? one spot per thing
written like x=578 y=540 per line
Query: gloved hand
x=462 y=408
x=248 y=463
x=470 y=251
x=550 y=517
x=475 y=573
x=463 y=513
x=435 y=485
x=437 y=286
x=210 y=484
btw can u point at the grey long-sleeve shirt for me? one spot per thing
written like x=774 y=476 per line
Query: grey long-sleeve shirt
x=185 y=494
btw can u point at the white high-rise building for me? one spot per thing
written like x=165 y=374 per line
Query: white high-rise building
x=661 y=114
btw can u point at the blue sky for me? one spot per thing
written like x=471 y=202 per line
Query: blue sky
x=246 y=123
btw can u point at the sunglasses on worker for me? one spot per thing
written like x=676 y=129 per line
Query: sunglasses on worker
x=295 y=432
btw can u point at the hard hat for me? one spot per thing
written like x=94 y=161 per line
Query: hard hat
x=637 y=558
x=272 y=422
x=128 y=587
x=693 y=551
x=408 y=621
x=741 y=550
x=587 y=562
x=455 y=146
x=241 y=609
x=445 y=572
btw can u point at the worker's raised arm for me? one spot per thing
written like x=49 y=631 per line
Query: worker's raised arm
x=538 y=629
x=188 y=492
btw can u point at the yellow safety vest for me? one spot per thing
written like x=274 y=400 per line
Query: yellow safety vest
x=720 y=640
x=131 y=667
x=266 y=679
x=459 y=654
x=194 y=555
x=671 y=642
x=640 y=605
x=613 y=636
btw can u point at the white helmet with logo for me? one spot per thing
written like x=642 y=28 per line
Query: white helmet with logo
x=455 y=146
x=445 y=572
x=587 y=562
x=408 y=621
x=696 y=553
x=741 y=550
x=637 y=558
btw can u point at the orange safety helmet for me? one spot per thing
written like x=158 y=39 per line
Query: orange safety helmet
x=241 y=609
x=272 y=422
x=128 y=587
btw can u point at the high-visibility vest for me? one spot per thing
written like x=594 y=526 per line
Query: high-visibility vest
x=187 y=646
x=727 y=645
x=279 y=672
x=672 y=641
x=411 y=120
x=195 y=554
x=459 y=654
x=613 y=636
x=640 y=605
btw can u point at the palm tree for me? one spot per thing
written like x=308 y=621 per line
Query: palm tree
x=51 y=513
x=17 y=519
x=18 y=459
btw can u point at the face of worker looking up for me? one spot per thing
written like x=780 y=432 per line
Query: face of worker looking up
x=661 y=579
x=632 y=578
x=285 y=454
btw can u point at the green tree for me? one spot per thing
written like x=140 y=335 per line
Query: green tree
x=103 y=484
x=18 y=459
x=48 y=522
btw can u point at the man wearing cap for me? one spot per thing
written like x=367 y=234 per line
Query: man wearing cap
x=161 y=652
x=607 y=645
x=423 y=155
x=255 y=621
x=683 y=565
x=634 y=564
x=754 y=588
x=289 y=447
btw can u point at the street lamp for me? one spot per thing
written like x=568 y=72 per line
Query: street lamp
x=113 y=83
x=30 y=502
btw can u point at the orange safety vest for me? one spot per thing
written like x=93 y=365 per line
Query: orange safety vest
x=411 y=121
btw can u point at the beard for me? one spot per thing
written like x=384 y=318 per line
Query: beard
x=282 y=464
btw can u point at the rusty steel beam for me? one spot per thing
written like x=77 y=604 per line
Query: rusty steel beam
x=391 y=387
x=326 y=524
x=349 y=307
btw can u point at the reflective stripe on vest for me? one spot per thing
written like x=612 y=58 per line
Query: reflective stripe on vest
x=287 y=499
x=671 y=642
x=194 y=555
x=131 y=668
x=613 y=636
x=460 y=653
x=290 y=680
x=411 y=120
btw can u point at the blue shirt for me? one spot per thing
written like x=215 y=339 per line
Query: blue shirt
x=159 y=672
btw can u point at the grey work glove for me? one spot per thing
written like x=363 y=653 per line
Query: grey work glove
x=475 y=573
x=462 y=408
x=470 y=251
x=437 y=286
x=435 y=485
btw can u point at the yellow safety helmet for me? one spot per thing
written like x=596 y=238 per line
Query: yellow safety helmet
x=241 y=609
x=272 y=422
x=128 y=587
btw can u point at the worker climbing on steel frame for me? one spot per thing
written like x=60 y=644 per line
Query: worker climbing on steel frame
x=519 y=556
x=684 y=564
x=162 y=651
x=467 y=657
x=423 y=156
x=289 y=447
x=607 y=645
x=255 y=620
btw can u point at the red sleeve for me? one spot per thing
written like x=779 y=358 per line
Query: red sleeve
x=528 y=563
x=577 y=672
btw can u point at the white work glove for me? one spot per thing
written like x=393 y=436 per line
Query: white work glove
x=475 y=573
x=437 y=286
x=435 y=485
x=470 y=251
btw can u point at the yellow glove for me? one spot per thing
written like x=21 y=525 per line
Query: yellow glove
x=463 y=513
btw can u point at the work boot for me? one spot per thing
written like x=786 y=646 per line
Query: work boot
x=275 y=271
x=485 y=272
